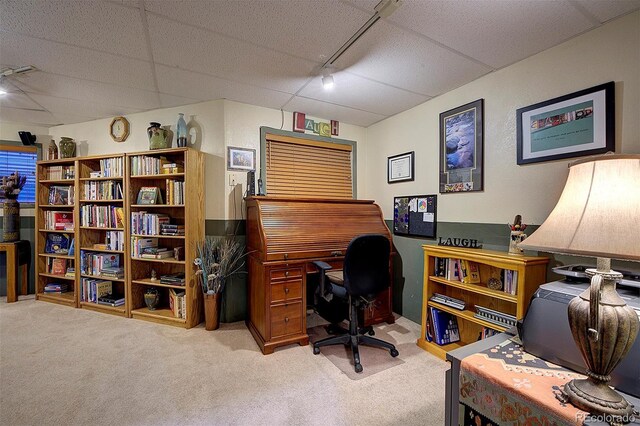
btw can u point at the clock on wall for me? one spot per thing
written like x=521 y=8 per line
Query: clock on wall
x=119 y=129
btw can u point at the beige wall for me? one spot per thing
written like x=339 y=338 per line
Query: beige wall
x=609 y=53
x=212 y=126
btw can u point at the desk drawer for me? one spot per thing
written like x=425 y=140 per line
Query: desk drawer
x=281 y=274
x=283 y=291
x=286 y=319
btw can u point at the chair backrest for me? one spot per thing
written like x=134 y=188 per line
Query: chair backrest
x=366 y=265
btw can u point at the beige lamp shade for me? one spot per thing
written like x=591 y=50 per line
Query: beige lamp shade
x=598 y=214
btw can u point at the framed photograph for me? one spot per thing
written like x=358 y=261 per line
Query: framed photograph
x=400 y=167
x=573 y=125
x=461 y=148
x=241 y=159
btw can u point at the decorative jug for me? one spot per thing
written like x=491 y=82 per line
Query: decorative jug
x=67 y=147
x=158 y=137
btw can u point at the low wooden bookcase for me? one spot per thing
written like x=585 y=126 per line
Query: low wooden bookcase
x=531 y=272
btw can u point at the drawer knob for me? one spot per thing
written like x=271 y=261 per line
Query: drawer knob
x=286 y=273
x=286 y=319
x=286 y=291
x=286 y=256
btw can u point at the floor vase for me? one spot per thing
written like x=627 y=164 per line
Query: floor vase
x=11 y=221
x=212 y=311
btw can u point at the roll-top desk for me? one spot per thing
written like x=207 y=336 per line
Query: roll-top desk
x=284 y=236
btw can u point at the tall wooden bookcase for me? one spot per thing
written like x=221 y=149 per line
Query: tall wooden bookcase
x=59 y=177
x=91 y=237
x=531 y=272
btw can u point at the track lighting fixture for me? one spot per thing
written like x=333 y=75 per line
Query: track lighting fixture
x=327 y=79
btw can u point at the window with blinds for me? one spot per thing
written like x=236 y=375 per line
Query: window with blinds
x=23 y=160
x=307 y=168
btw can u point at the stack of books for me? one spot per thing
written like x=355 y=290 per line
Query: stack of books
x=156 y=253
x=111 y=300
x=112 y=272
x=143 y=223
x=170 y=168
x=55 y=288
x=448 y=300
x=138 y=244
x=170 y=229
x=93 y=288
x=175 y=279
x=96 y=263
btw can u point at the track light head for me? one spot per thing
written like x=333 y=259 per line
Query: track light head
x=327 y=82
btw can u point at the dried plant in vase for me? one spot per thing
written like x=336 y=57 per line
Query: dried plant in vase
x=9 y=191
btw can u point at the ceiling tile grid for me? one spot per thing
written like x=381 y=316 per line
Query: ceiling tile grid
x=329 y=111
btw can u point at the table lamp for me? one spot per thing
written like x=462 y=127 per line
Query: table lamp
x=598 y=215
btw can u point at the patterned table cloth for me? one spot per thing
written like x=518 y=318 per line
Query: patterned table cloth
x=504 y=385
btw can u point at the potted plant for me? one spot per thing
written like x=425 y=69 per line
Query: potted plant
x=9 y=191
x=218 y=259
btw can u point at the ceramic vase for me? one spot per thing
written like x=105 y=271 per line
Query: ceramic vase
x=211 y=311
x=514 y=240
x=53 y=150
x=11 y=224
x=181 y=131
x=67 y=147
x=158 y=137
x=151 y=298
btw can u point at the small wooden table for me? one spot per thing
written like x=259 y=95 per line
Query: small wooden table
x=13 y=250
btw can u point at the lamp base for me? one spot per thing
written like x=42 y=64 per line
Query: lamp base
x=596 y=397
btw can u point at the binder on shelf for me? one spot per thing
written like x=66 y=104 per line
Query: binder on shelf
x=445 y=327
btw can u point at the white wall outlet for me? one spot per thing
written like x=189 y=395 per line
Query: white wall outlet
x=232 y=179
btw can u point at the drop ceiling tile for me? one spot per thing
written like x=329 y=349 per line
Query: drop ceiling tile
x=398 y=58
x=168 y=101
x=76 y=62
x=356 y=92
x=203 y=87
x=81 y=108
x=96 y=25
x=38 y=118
x=328 y=111
x=494 y=32
x=225 y=57
x=68 y=87
x=18 y=100
x=605 y=10
x=306 y=29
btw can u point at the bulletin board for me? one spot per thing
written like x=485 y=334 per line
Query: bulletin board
x=415 y=215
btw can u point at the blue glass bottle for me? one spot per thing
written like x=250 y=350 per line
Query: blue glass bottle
x=181 y=130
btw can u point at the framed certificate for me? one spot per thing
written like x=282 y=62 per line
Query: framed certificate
x=400 y=167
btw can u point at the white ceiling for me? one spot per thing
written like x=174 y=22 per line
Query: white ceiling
x=98 y=59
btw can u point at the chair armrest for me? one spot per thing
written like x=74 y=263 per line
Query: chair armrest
x=323 y=266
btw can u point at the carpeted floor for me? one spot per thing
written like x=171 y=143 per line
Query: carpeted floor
x=70 y=366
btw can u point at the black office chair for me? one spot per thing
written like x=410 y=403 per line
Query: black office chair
x=365 y=274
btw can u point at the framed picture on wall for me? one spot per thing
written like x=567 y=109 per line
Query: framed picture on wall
x=241 y=159
x=400 y=167
x=573 y=125
x=461 y=148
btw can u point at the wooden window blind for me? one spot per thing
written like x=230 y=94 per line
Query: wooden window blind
x=23 y=160
x=305 y=168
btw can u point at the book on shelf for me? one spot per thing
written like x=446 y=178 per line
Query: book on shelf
x=56 y=288
x=103 y=190
x=160 y=255
x=448 y=300
x=71 y=272
x=112 y=167
x=57 y=243
x=509 y=281
x=495 y=317
x=60 y=172
x=58 y=220
x=111 y=300
x=175 y=279
x=58 y=266
x=445 y=327
x=139 y=243
x=101 y=216
x=149 y=195
x=177 y=303
x=144 y=223
x=142 y=165
x=93 y=288
x=61 y=195
x=114 y=272
x=487 y=332
x=72 y=247
x=469 y=271
x=452 y=269
x=92 y=263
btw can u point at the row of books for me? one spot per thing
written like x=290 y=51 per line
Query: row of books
x=495 y=317
x=177 y=303
x=92 y=263
x=462 y=270
x=487 y=332
x=61 y=172
x=145 y=165
x=175 y=192
x=111 y=167
x=103 y=190
x=449 y=301
x=143 y=223
x=58 y=220
x=113 y=240
x=99 y=216
x=61 y=195
x=140 y=243
x=92 y=288
x=171 y=229
x=56 y=288
x=509 y=281
x=442 y=327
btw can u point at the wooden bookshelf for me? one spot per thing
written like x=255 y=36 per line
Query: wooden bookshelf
x=189 y=213
x=60 y=173
x=531 y=272
x=137 y=272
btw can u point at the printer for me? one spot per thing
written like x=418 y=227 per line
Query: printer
x=545 y=331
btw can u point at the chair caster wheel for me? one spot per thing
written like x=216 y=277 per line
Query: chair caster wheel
x=358 y=368
x=371 y=333
x=316 y=351
x=394 y=352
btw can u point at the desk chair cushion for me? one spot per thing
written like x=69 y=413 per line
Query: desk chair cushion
x=335 y=276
